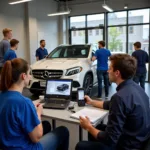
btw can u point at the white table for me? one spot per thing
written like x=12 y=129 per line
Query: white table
x=64 y=115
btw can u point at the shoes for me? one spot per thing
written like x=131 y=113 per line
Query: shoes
x=106 y=97
x=99 y=98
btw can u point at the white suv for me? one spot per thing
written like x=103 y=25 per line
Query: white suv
x=66 y=62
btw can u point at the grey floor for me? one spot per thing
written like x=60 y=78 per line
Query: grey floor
x=74 y=129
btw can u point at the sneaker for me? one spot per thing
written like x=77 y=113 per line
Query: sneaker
x=106 y=97
x=99 y=98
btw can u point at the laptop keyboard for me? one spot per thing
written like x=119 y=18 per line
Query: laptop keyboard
x=57 y=101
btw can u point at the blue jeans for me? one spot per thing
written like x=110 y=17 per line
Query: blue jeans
x=103 y=74
x=140 y=78
x=58 y=139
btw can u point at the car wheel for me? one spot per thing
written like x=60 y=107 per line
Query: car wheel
x=35 y=92
x=88 y=84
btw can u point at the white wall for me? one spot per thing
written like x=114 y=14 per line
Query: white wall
x=41 y=26
x=13 y=17
x=48 y=25
x=30 y=24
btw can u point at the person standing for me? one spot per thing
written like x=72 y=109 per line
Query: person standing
x=10 y=54
x=4 y=45
x=102 y=56
x=142 y=58
x=41 y=52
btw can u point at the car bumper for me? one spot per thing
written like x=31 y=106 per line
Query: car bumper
x=36 y=84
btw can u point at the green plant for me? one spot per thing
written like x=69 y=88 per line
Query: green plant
x=114 y=43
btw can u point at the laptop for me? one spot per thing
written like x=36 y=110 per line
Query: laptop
x=58 y=93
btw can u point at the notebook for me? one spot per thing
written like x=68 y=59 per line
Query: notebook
x=93 y=113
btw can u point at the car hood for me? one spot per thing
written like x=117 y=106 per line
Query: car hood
x=58 y=63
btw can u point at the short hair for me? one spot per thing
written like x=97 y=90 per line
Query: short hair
x=42 y=41
x=13 y=42
x=102 y=43
x=137 y=44
x=125 y=63
x=6 y=30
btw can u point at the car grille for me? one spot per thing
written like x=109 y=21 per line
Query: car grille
x=47 y=74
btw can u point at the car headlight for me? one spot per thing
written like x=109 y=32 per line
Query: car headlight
x=73 y=71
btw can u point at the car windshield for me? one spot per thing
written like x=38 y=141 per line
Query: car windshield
x=74 y=51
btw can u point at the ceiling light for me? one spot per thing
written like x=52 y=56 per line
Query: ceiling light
x=126 y=7
x=107 y=8
x=20 y=1
x=59 y=13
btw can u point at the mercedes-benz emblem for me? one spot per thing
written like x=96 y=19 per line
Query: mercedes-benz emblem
x=45 y=74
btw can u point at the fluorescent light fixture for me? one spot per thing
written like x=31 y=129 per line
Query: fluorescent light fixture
x=126 y=7
x=59 y=13
x=20 y=1
x=107 y=8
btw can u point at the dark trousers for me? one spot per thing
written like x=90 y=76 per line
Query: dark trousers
x=56 y=139
x=140 y=78
x=1 y=69
x=101 y=74
x=94 y=144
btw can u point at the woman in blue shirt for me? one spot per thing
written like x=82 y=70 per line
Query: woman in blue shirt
x=20 y=119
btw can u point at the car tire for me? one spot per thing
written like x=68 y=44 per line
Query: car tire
x=88 y=84
x=35 y=92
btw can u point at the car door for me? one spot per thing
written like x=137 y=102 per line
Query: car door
x=94 y=47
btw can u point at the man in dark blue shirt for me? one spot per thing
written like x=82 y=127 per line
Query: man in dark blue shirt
x=41 y=52
x=10 y=54
x=142 y=58
x=128 y=124
x=102 y=56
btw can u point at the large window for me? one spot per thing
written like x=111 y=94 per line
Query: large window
x=79 y=38
x=94 y=38
x=117 y=18
x=95 y=20
x=117 y=39
x=123 y=29
x=87 y=29
x=139 y=16
x=77 y=22
x=141 y=34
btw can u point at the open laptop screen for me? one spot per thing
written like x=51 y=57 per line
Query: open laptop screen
x=59 y=87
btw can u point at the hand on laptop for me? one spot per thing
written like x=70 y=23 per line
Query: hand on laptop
x=88 y=100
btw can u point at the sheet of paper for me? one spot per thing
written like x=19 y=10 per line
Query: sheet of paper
x=94 y=114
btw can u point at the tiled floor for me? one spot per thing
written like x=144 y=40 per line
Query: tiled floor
x=74 y=134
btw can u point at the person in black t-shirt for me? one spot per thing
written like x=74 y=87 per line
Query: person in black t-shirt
x=142 y=58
